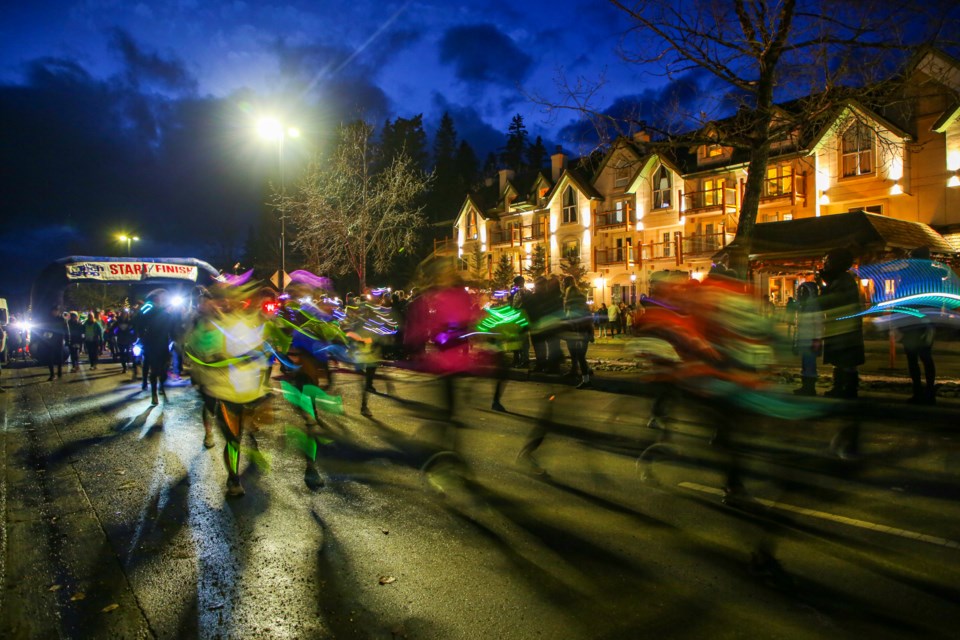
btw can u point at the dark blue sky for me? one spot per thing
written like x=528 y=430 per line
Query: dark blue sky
x=140 y=116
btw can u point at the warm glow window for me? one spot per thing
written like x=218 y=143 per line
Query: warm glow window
x=661 y=189
x=712 y=192
x=472 y=225
x=571 y=249
x=779 y=180
x=569 y=206
x=666 y=244
x=857 y=146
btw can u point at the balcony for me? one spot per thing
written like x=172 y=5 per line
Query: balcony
x=792 y=188
x=659 y=251
x=722 y=200
x=704 y=244
x=512 y=237
x=615 y=219
x=444 y=246
x=615 y=255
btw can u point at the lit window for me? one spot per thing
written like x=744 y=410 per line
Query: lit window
x=779 y=180
x=571 y=249
x=714 y=150
x=569 y=206
x=857 y=150
x=666 y=244
x=661 y=189
x=712 y=195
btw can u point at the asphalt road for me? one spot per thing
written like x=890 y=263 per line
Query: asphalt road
x=115 y=522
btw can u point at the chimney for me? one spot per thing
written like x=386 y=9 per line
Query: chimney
x=641 y=137
x=558 y=163
x=505 y=174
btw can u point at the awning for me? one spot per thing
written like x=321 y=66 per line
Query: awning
x=861 y=232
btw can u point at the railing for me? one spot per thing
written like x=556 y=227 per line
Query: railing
x=535 y=231
x=512 y=236
x=444 y=245
x=614 y=255
x=659 y=250
x=722 y=199
x=611 y=219
x=704 y=243
x=793 y=187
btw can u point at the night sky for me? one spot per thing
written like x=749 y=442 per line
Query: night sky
x=140 y=117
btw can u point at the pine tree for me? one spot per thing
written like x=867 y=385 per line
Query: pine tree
x=536 y=155
x=404 y=136
x=478 y=267
x=515 y=152
x=445 y=145
x=466 y=163
x=538 y=261
x=570 y=266
x=504 y=273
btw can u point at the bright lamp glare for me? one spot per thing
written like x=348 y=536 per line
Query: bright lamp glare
x=176 y=301
x=293 y=132
x=269 y=129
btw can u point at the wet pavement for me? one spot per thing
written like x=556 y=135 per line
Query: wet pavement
x=116 y=523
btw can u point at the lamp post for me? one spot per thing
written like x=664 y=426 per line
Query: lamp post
x=129 y=240
x=272 y=129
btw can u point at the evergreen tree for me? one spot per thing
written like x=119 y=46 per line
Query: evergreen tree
x=478 y=267
x=536 y=155
x=504 y=273
x=515 y=152
x=570 y=266
x=404 y=136
x=490 y=166
x=466 y=163
x=538 y=261
x=445 y=145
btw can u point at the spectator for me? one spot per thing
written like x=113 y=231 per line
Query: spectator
x=917 y=337
x=613 y=318
x=604 y=319
x=843 y=328
x=808 y=339
x=92 y=338
x=75 y=340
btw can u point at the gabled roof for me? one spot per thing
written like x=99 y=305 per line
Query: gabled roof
x=852 y=106
x=864 y=232
x=621 y=143
x=575 y=177
x=648 y=163
x=948 y=118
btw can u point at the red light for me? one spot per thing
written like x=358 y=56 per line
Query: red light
x=270 y=307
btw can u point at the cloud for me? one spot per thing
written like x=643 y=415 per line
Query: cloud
x=151 y=69
x=483 y=54
x=670 y=107
x=470 y=126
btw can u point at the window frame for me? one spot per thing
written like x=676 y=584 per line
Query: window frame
x=662 y=196
x=568 y=214
x=861 y=132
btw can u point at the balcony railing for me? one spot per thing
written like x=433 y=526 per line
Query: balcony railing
x=512 y=236
x=722 y=199
x=659 y=250
x=704 y=243
x=793 y=187
x=613 y=219
x=444 y=246
x=614 y=255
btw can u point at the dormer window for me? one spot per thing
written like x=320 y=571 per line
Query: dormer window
x=569 y=206
x=472 y=225
x=713 y=151
x=857 y=150
x=662 y=186
x=621 y=176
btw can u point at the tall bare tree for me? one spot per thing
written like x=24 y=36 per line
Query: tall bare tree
x=350 y=217
x=759 y=52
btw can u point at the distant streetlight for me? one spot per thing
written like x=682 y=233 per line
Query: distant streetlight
x=128 y=240
x=272 y=129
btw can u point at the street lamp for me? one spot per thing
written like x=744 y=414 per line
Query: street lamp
x=272 y=129
x=128 y=239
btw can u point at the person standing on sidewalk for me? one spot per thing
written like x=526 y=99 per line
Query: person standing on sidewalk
x=613 y=318
x=92 y=338
x=578 y=328
x=51 y=333
x=843 y=327
x=917 y=337
x=74 y=340
x=808 y=338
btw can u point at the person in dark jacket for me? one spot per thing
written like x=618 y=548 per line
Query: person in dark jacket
x=125 y=335
x=519 y=297
x=75 y=339
x=93 y=338
x=578 y=328
x=843 y=328
x=155 y=328
x=50 y=336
